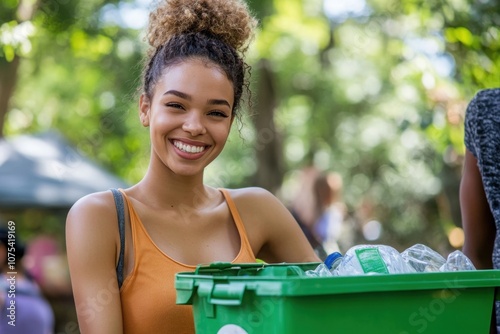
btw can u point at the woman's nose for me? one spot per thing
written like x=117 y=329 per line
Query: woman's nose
x=194 y=124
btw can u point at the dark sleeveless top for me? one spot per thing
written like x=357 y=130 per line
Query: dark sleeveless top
x=482 y=139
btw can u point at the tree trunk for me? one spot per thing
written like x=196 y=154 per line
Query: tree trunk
x=268 y=145
x=8 y=78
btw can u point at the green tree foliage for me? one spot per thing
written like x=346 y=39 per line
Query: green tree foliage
x=80 y=77
x=377 y=95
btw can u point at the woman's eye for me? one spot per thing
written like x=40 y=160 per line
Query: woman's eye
x=174 y=105
x=218 y=113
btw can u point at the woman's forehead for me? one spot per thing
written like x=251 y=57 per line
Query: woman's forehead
x=195 y=76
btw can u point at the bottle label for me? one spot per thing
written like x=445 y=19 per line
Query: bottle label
x=371 y=261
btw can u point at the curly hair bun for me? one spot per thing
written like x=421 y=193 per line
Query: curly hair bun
x=228 y=20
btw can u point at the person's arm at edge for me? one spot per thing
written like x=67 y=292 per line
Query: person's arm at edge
x=477 y=220
x=91 y=241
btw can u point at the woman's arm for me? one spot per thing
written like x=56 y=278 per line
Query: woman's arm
x=273 y=232
x=477 y=220
x=91 y=241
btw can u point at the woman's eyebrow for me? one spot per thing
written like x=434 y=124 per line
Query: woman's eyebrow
x=189 y=98
x=219 y=102
x=179 y=94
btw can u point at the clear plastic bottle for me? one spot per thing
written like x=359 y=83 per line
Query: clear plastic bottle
x=423 y=258
x=326 y=268
x=372 y=259
x=457 y=261
x=320 y=271
x=333 y=260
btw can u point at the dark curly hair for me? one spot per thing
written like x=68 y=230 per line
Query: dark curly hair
x=217 y=31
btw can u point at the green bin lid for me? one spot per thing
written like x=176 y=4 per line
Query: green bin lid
x=289 y=279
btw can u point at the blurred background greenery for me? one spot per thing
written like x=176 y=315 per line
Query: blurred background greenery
x=374 y=90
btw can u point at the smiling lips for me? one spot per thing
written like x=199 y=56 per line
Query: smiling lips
x=188 y=148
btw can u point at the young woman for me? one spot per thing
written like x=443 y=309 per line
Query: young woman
x=192 y=87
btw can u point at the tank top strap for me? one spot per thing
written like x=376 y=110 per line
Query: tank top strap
x=120 y=210
x=130 y=207
x=246 y=249
x=232 y=208
x=133 y=219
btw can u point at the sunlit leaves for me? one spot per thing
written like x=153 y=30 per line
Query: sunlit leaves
x=292 y=29
x=378 y=96
x=391 y=94
x=85 y=87
x=91 y=47
x=15 y=39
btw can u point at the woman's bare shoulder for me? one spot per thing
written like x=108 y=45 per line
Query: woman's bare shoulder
x=250 y=194
x=92 y=223
x=93 y=209
x=256 y=198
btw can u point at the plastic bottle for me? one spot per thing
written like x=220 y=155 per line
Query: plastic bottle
x=423 y=258
x=333 y=260
x=457 y=261
x=326 y=268
x=372 y=259
x=320 y=271
x=382 y=259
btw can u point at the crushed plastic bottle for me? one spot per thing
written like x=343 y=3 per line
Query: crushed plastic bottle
x=320 y=271
x=423 y=258
x=383 y=259
x=372 y=259
x=325 y=269
x=457 y=261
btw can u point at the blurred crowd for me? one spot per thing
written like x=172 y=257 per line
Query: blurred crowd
x=30 y=274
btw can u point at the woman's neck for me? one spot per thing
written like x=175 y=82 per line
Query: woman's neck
x=167 y=189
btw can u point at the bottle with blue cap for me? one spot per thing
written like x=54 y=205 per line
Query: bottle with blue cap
x=333 y=260
x=326 y=269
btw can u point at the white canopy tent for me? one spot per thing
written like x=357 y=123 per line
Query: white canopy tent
x=44 y=171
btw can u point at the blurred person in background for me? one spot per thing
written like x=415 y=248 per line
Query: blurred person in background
x=331 y=226
x=480 y=184
x=310 y=206
x=24 y=309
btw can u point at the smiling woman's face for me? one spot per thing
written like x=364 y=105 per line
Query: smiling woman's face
x=189 y=115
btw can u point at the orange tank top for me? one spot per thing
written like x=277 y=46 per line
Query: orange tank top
x=148 y=293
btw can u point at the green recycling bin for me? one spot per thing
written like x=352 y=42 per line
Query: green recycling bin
x=278 y=298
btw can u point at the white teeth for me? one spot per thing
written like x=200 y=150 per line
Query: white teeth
x=188 y=148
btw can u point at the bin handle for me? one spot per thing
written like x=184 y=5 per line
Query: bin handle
x=223 y=294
